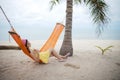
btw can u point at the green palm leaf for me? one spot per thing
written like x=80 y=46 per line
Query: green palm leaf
x=105 y=49
x=77 y=2
x=53 y=3
x=98 y=10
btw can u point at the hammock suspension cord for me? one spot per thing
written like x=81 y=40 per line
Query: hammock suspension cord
x=6 y=18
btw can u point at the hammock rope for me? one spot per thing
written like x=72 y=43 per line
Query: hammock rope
x=6 y=18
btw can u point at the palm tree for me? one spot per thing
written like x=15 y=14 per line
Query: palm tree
x=98 y=10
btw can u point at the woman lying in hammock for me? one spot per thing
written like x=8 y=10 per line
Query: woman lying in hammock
x=43 y=56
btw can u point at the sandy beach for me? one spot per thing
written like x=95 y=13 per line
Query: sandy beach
x=87 y=63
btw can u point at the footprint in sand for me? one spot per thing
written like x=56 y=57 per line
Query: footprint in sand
x=24 y=62
x=118 y=64
x=72 y=66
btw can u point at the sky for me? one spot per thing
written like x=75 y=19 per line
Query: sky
x=32 y=19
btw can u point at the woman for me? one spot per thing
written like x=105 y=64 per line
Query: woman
x=43 y=56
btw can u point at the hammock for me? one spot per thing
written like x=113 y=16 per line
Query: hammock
x=50 y=43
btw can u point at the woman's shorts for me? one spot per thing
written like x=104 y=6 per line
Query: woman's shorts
x=44 y=56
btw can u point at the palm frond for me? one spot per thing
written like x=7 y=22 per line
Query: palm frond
x=105 y=49
x=53 y=3
x=86 y=1
x=77 y=2
x=99 y=48
x=108 y=48
x=102 y=50
x=99 y=12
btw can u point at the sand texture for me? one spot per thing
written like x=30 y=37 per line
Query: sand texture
x=87 y=63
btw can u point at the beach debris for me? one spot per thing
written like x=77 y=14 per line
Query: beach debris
x=103 y=50
x=8 y=47
x=118 y=64
x=72 y=66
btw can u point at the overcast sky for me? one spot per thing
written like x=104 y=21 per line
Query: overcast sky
x=34 y=20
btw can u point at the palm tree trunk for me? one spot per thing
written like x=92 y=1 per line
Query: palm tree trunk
x=67 y=41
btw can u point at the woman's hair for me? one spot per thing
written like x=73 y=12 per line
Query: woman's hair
x=25 y=42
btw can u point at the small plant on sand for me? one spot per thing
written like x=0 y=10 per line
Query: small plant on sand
x=105 y=49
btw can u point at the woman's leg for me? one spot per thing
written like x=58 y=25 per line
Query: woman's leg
x=54 y=53
x=65 y=57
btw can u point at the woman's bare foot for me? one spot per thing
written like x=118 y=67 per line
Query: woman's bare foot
x=66 y=56
x=61 y=60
